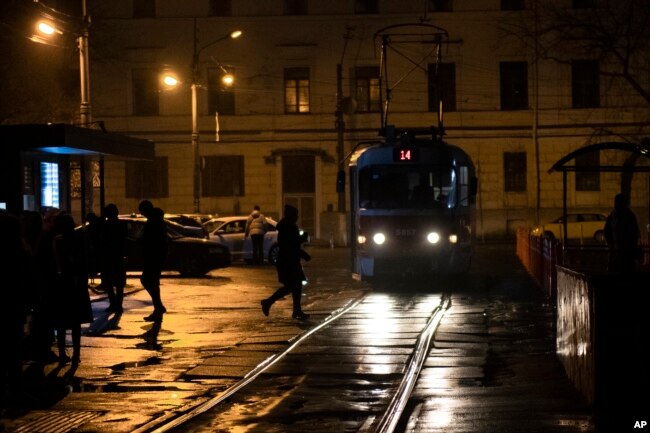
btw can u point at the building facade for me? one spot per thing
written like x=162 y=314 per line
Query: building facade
x=273 y=138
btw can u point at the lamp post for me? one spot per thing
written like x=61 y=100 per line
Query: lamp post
x=49 y=29
x=195 y=111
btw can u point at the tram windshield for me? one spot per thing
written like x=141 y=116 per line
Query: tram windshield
x=407 y=187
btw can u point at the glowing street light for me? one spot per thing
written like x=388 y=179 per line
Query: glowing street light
x=170 y=80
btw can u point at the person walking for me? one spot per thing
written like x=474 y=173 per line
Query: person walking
x=111 y=252
x=14 y=294
x=622 y=236
x=255 y=227
x=71 y=301
x=290 y=272
x=154 y=243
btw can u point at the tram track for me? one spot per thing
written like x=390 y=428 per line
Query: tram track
x=395 y=388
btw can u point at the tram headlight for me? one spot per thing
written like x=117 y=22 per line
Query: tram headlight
x=453 y=239
x=361 y=239
x=433 y=237
x=379 y=238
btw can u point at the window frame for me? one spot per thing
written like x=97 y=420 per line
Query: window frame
x=515 y=171
x=145 y=91
x=366 y=78
x=447 y=80
x=297 y=87
x=513 y=79
x=221 y=98
x=139 y=175
x=587 y=181
x=585 y=84
x=220 y=170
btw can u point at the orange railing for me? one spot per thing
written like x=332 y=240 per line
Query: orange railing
x=540 y=255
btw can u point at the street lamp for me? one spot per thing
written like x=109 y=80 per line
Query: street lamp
x=48 y=29
x=171 y=81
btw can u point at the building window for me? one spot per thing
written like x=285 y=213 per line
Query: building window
x=367 y=92
x=514 y=171
x=295 y=7
x=440 y=5
x=220 y=8
x=147 y=179
x=221 y=97
x=442 y=86
x=513 y=5
x=366 y=6
x=583 y=4
x=585 y=84
x=223 y=176
x=296 y=90
x=145 y=92
x=144 y=8
x=514 y=85
x=587 y=180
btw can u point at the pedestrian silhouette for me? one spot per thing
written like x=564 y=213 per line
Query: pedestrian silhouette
x=14 y=292
x=92 y=237
x=255 y=227
x=290 y=272
x=622 y=236
x=71 y=301
x=154 y=250
x=111 y=253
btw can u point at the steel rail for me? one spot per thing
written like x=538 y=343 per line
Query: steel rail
x=173 y=420
x=396 y=407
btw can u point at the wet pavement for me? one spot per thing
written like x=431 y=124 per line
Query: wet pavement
x=499 y=333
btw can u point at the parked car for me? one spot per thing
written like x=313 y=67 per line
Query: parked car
x=190 y=219
x=230 y=231
x=188 y=255
x=192 y=231
x=579 y=226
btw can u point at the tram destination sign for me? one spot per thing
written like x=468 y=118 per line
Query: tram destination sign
x=406 y=154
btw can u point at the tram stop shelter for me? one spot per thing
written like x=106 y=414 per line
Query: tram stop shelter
x=602 y=322
x=60 y=166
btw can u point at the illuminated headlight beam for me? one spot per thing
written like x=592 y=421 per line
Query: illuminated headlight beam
x=433 y=237
x=379 y=238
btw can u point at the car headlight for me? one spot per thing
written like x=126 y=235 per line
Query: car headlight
x=379 y=238
x=453 y=239
x=433 y=237
x=361 y=239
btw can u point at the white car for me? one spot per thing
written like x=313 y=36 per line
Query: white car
x=230 y=232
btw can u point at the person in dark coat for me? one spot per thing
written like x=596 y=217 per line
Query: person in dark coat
x=72 y=301
x=111 y=253
x=290 y=272
x=154 y=243
x=14 y=291
x=622 y=236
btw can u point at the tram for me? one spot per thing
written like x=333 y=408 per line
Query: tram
x=412 y=206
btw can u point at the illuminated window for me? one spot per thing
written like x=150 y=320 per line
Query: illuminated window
x=50 y=184
x=367 y=88
x=296 y=90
